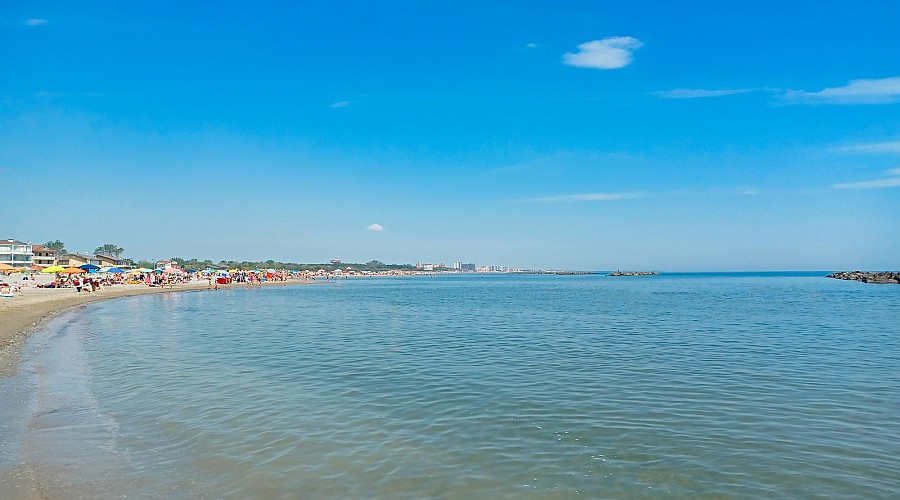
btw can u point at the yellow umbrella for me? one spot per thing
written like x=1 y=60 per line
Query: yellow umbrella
x=52 y=269
x=6 y=267
x=72 y=270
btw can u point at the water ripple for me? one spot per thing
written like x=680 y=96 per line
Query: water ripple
x=501 y=387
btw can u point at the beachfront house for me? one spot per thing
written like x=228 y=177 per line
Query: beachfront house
x=167 y=263
x=43 y=256
x=110 y=261
x=72 y=260
x=16 y=253
x=102 y=261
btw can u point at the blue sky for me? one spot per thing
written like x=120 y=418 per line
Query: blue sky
x=563 y=135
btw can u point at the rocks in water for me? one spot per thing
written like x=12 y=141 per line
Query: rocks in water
x=886 y=277
x=634 y=273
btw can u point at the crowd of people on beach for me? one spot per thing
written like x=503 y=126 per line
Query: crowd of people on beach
x=169 y=277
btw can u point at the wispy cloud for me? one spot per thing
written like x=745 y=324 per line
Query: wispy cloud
x=698 y=93
x=35 y=22
x=888 y=182
x=873 y=148
x=375 y=227
x=340 y=104
x=608 y=53
x=879 y=91
x=573 y=198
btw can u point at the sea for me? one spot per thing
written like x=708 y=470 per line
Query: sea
x=723 y=385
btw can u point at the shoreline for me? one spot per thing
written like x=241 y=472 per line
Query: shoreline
x=32 y=307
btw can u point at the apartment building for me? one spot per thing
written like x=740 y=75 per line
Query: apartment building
x=16 y=253
x=43 y=256
x=73 y=260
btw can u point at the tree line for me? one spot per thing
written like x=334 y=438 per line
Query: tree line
x=113 y=250
x=110 y=249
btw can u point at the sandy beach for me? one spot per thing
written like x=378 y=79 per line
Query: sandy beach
x=28 y=309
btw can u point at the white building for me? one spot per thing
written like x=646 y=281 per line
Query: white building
x=16 y=253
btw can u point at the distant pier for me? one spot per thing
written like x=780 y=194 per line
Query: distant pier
x=634 y=273
x=882 y=278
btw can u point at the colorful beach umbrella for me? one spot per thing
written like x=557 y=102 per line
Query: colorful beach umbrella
x=71 y=270
x=89 y=267
x=52 y=269
x=115 y=270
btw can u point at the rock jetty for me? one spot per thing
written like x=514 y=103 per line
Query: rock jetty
x=886 y=277
x=634 y=273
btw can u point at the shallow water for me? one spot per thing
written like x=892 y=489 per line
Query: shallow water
x=742 y=385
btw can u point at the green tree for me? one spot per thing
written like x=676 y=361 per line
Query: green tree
x=109 y=249
x=58 y=247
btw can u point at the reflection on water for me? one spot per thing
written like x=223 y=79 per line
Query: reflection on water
x=539 y=386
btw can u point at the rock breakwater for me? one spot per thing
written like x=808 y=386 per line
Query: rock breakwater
x=634 y=273
x=886 y=277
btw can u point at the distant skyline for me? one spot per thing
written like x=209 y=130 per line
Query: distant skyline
x=673 y=136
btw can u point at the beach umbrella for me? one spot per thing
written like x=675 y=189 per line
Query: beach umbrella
x=172 y=270
x=52 y=269
x=115 y=270
x=89 y=267
x=6 y=267
x=71 y=270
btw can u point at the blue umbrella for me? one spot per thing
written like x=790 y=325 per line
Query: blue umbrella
x=89 y=268
x=115 y=270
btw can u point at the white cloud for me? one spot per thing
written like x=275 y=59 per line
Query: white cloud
x=874 y=184
x=531 y=45
x=698 y=93
x=35 y=22
x=609 y=53
x=375 y=227
x=879 y=91
x=586 y=197
x=874 y=148
x=339 y=104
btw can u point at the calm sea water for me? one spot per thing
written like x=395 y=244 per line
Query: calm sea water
x=696 y=385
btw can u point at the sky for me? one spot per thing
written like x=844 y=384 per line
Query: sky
x=578 y=135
